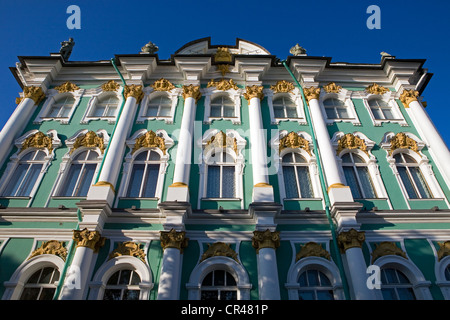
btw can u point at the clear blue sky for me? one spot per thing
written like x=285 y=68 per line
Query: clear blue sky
x=336 y=29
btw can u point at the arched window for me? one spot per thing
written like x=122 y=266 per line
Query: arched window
x=25 y=175
x=80 y=174
x=106 y=106
x=357 y=176
x=61 y=107
x=159 y=106
x=283 y=107
x=144 y=175
x=335 y=109
x=40 y=285
x=411 y=177
x=297 y=179
x=222 y=107
x=447 y=273
x=219 y=285
x=381 y=110
x=395 y=285
x=221 y=171
x=314 y=285
x=123 y=285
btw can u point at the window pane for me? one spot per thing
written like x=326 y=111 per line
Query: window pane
x=366 y=182
x=47 y=294
x=219 y=277
x=291 y=112
x=406 y=294
x=65 y=111
x=210 y=295
x=71 y=180
x=447 y=273
x=152 y=180
x=207 y=281
x=420 y=182
x=325 y=295
x=98 y=111
x=152 y=111
x=342 y=112
x=125 y=276
x=230 y=279
x=114 y=278
x=213 y=185
x=305 y=182
x=228 y=111
x=388 y=113
x=216 y=111
x=324 y=281
x=30 y=180
x=404 y=176
x=377 y=114
x=389 y=276
x=112 y=294
x=313 y=278
x=331 y=113
x=131 y=295
x=306 y=295
x=228 y=183
x=352 y=182
x=302 y=280
x=46 y=275
x=86 y=180
x=135 y=279
x=164 y=111
x=134 y=185
x=290 y=182
x=111 y=111
x=279 y=112
x=228 y=295
x=30 y=294
x=14 y=183
x=35 y=277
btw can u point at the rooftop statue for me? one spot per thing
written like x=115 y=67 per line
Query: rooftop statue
x=66 y=48
x=149 y=48
x=297 y=50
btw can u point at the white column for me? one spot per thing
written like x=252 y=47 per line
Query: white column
x=19 y=119
x=76 y=281
x=173 y=243
x=262 y=190
x=178 y=191
x=105 y=187
x=351 y=242
x=265 y=243
x=423 y=123
x=337 y=190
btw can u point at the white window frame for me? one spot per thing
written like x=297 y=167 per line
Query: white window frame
x=439 y=270
x=17 y=156
x=345 y=96
x=129 y=160
x=194 y=286
x=211 y=93
x=423 y=164
x=95 y=99
x=239 y=161
x=314 y=263
x=389 y=98
x=52 y=97
x=98 y=284
x=296 y=99
x=149 y=94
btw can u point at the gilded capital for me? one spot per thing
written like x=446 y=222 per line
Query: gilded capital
x=265 y=239
x=134 y=91
x=192 y=91
x=34 y=93
x=174 y=239
x=311 y=93
x=254 y=92
x=351 y=239
x=408 y=96
x=90 y=239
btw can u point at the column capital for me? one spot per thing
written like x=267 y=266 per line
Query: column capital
x=265 y=239
x=34 y=93
x=254 y=91
x=134 y=91
x=174 y=239
x=351 y=239
x=192 y=92
x=311 y=93
x=90 y=239
x=408 y=96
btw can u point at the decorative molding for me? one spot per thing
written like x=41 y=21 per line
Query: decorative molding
x=149 y=140
x=34 y=93
x=265 y=239
x=162 y=85
x=351 y=239
x=444 y=249
x=134 y=91
x=254 y=91
x=282 y=86
x=376 y=89
x=408 y=96
x=67 y=87
x=387 y=248
x=312 y=249
x=223 y=68
x=111 y=85
x=219 y=249
x=89 y=140
x=191 y=91
x=293 y=140
x=402 y=141
x=221 y=140
x=38 y=140
x=332 y=88
x=51 y=247
x=89 y=239
x=174 y=239
x=350 y=141
x=222 y=55
x=223 y=84
x=128 y=248
x=311 y=93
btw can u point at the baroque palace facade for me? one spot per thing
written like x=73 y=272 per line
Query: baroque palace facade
x=222 y=173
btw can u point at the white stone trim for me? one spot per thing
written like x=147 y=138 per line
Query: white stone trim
x=388 y=97
x=294 y=96
x=234 y=95
x=53 y=96
x=345 y=96
x=99 y=93
x=149 y=94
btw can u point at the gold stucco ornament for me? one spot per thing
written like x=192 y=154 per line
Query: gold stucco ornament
x=282 y=86
x=51 y=247
x=254 y=92
x=350 y=141
x=128 y=248
x=89 y=239
x=219 y=249
x=67 y=87
x=223 y=84
x=149 y=140
x=174 y=239
x=38 y=140
x=376 y=89
x=387 y=248
x=162 y=85
x=293 y=140
x=265 y=239
x=402 y=141
x=312 y=249
x=191 y=91
x=89 y=140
